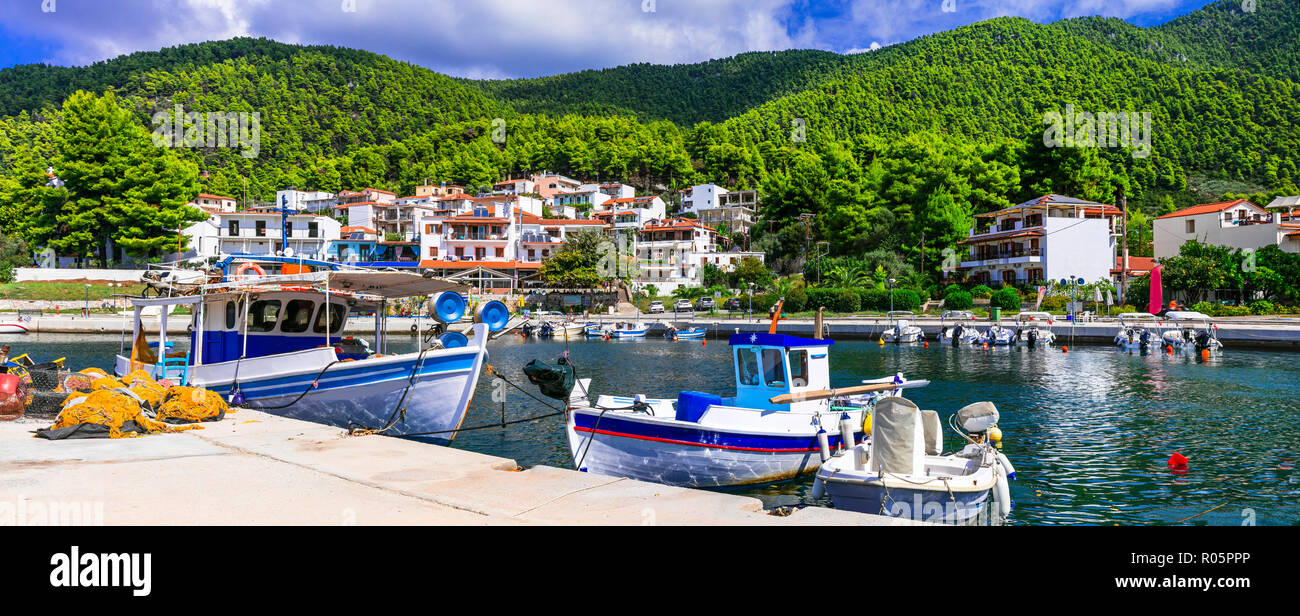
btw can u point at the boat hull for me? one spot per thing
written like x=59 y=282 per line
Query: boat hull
x=935 y=506
x=687 y=455
x=13 y=328
x=434 y=389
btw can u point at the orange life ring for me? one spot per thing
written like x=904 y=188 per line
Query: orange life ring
x=247 y=265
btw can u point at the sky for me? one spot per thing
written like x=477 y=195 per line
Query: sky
x=493 y=39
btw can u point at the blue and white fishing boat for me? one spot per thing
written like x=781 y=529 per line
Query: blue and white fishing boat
x=782 y=421
x=693 y=333
x=998 y=336
x=276 y=343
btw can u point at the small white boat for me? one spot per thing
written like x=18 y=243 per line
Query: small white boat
x=782 y=418
x=901 y=470
x=1138 y=330
x=627 y=331
x=962 y=331
x=16 y=326
x=902 y=331
x=1034 y=329
x=997 y=336
x=1191 y=331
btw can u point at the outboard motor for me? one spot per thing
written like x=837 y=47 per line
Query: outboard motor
x=957 y=331
x=1203 y=341
x=1146 y=337
x=1032 y=338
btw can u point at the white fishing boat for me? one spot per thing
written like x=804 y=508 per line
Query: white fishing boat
x=1034 y=329
x=623 y=330
x=901 y=470
x=1138 y=330
x=691 y=333
x=902 y=331
x=1191 y=331
x=276 y=343
x=15 y=326
x=783 y=415
x=997 y=336
x=961 y=331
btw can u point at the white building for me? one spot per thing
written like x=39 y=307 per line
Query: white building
x=304 y=200
x=258 y=232
x=1234 y=224
x=213 y=203
x=715 y=206
x=672 y=253
x=1049 y=238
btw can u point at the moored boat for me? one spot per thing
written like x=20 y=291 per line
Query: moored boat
x=1191 y=331
x=961 y=331
x=1034 y=329
x=902 y=331
x=901 y=470
x=1138 y=330
x=276 y=343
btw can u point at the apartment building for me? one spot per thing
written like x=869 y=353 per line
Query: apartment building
x=258 y=232
x=715 y=206
x=1048 y=238
x=1234 y=224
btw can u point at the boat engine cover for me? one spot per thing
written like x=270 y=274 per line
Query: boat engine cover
x=977 y=417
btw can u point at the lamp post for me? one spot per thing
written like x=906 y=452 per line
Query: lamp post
x=891 y=294
x=751 y=299
x=86 y=310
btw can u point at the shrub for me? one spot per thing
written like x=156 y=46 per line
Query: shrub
x=1262 y=306
x=1054 y=304
x=873 y=299
x=952 y=288
x=904 y=299
x=981 y=292
x=846 y=301
x=796 y=300
x=7 y=273
x=1006 y=299
x=958 y=300
x=1118 y=310
x=1231 y=311
x=1203 y=307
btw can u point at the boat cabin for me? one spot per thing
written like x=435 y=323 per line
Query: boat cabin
x=768 y=365
x=267 y=323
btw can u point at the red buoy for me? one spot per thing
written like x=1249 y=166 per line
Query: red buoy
x=704 y=342
x=1065 y=349
x=927 y=345
x=1178 y=463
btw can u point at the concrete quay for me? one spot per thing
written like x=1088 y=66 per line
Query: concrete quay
x=254 y=468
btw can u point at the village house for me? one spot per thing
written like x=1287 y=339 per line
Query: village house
x=1052 y=237
x=1234 y=224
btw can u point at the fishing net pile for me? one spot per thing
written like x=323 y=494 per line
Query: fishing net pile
x=132 y=406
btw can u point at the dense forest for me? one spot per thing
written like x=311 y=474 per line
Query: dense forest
x=888 y=149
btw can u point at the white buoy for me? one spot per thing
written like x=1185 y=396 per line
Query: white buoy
x=846 y=431
x=818 y=489
x=824 y=444
x=860 y=457
x=1002 y=492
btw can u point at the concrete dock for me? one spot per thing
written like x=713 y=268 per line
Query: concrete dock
x=259 y=469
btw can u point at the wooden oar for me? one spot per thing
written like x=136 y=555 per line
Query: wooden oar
x=822 y=394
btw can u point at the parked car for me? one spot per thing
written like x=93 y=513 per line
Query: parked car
x=683 y=305
x=732 y=305
x=656 y=306
x=705 y=303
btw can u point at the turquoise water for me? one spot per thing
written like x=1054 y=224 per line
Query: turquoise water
x=1089 y=431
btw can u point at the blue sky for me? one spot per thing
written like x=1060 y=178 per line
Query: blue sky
x=520 y=38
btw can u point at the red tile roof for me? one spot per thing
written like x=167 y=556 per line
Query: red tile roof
x=1136 y=265
x=1206 y=208
x=357 y=230
x=214 y=197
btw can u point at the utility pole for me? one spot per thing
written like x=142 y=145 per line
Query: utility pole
x=1123 y=264
x=806 y=219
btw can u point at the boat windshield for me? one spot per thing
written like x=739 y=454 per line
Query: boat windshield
x=747 y=362
x=798 y=368
x=773 y=368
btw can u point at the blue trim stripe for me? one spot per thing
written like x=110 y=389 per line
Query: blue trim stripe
x=702 y=437
x=351 y=374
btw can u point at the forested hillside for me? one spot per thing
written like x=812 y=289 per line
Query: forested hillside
x=888 y=149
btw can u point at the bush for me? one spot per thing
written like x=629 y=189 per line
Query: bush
x=981 y=292
x=873 y=299
x=1262 y=306
x=7 y=273
x=1203 y=307
x=952 y=288
x=1054 y=304
x=904 y=299
x=1231 y=311
x=796 y=300
x=958 y=300
x=846 y=301
x=1006 y=299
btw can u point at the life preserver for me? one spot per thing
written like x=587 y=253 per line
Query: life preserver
x=246 y=266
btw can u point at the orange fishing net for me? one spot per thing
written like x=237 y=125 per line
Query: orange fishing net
x=191 y=404
x=137 y=375
x=112 y=409
x=94 y=371
x=106 y=382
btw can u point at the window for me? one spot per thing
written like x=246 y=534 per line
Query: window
x=460 y=251
x=297 y=315
x=231 y=315
x=798 y=368
x=532 y=254
x=773 y=368
x=233 y=226
x=313 y=229
x=263 y=314
x=1191 y=226
x=260 y=228
x=747 y=363
x=433 y=251
x=501 y=252
x=338 y=314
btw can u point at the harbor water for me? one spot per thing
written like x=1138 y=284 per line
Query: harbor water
x=1089 y=431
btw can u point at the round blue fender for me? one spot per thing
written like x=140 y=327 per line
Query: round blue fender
x=453 y=340
x=494 y=313
x=448 y=307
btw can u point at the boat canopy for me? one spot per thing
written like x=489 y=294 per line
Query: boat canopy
x=776 y=340
x=1137 y=316
x=375 y=283
x=1187 y=315
x=958 y=314
x=1032 y=316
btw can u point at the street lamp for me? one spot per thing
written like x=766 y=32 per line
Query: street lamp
x=891 y=294
x=751 y=299
x=86 y=311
